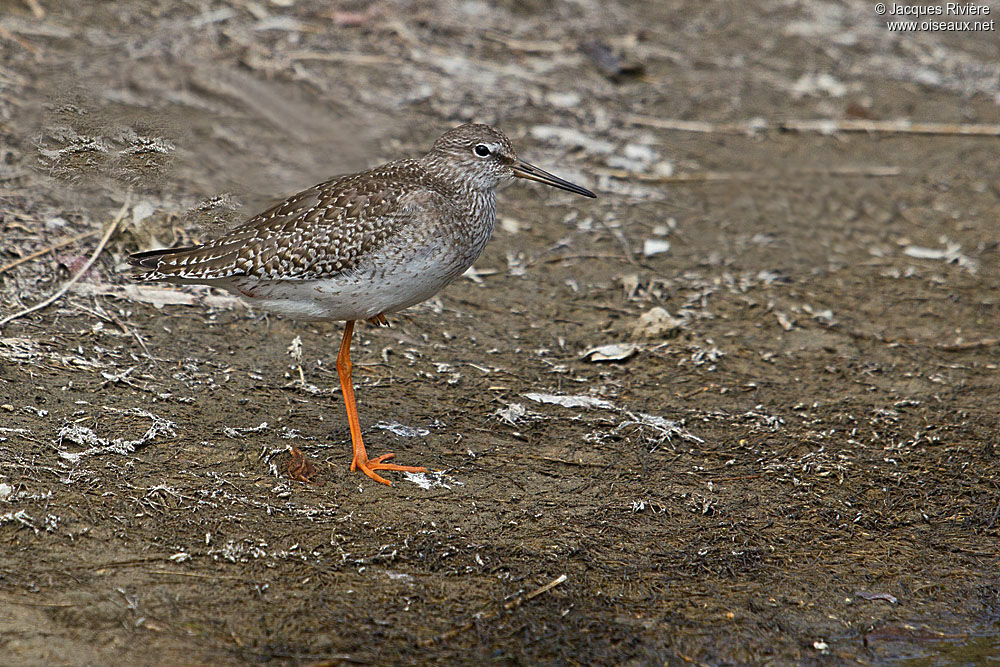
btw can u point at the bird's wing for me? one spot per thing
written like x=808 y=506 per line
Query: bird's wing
x=321 y=231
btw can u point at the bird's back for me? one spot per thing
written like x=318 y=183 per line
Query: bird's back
x=325 y=230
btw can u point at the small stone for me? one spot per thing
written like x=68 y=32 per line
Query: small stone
x=639 y=152
x=563 y=100
x=656 y=323
x=655 y=247
x=664 y=169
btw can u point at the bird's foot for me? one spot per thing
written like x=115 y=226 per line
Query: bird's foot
x=369 y=466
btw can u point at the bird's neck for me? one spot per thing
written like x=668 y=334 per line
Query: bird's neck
x=456 y=184
x=452 y=177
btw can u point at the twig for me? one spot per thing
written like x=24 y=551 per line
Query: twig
x=821 y=126
x=26 y=45
x=552 y=459
x=723 y=176
x=944 y=347
x=86 y=267
x=735 y=478
x=528 y=46
x=35 y=255
x=513 y=604
x=890 y=127
x=993 y=520
x=517 y=602
x=192 y=574
x=39 y=604
x=689 y=660
x=968 y=345
x=565 y=258
x=36 y=9
x=344 y=57
x=687 y=125
x=619 y=236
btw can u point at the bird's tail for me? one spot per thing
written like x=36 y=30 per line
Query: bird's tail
x=200 y=264
x=150 y=259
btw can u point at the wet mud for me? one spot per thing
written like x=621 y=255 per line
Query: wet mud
x=741 y=408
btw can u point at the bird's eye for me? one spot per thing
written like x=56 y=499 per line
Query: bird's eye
x=482 y=150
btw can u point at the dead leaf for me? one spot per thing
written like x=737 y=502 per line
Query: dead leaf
x=612 y=352
x=656 y=323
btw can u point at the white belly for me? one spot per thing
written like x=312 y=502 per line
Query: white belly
x=351 y=296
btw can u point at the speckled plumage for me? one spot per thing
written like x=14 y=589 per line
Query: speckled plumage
x=363 y=244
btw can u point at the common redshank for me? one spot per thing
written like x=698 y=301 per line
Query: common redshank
x=361 y=246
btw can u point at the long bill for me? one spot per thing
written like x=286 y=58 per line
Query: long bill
x=532 y=173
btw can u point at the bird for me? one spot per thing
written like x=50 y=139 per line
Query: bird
x=362 y=246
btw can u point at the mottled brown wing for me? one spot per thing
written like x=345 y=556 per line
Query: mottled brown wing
x=318 y=232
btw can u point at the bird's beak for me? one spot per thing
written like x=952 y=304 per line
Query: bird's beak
x=532 y=173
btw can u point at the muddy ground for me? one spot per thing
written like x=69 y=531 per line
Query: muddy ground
x=799 y=465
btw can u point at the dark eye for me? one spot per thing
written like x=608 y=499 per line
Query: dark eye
x=482 y=150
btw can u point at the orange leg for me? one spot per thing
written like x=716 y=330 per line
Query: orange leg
x=361 y=460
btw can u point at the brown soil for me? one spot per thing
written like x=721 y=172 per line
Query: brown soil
x=802 y=468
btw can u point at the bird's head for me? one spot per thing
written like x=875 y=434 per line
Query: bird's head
x=484 y=155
